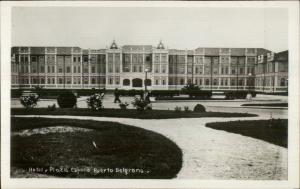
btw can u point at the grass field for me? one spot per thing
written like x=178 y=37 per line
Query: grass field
x=274 y=131
x=121 y=151
x=129 y=113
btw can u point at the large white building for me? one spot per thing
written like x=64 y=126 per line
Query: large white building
x=127 y=67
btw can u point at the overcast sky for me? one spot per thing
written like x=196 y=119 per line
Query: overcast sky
x=182 y=28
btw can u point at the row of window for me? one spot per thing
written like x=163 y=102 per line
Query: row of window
x=61 y=80
x=268 y=81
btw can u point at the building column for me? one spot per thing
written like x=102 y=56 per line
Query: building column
x=29 y=70
x=46 y=68
x=81 y=69
x=55 y=67
x=72 y=68
x=89 y=69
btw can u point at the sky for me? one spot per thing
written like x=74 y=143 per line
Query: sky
x=178 y=28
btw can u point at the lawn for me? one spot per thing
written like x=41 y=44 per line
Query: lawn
x=268 y=104
x=274 y=131
x=129 y=113
x=120 y=151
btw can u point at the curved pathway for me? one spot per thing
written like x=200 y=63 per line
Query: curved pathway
x=213 y=154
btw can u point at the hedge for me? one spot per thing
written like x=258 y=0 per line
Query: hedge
x=131 y=92
x=165 y=93
x=238 y=94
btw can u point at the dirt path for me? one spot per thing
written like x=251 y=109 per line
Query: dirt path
x=214 y=154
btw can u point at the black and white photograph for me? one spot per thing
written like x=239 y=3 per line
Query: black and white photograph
x=174 y=92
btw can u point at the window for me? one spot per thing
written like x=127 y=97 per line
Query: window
x=215 y=82
x=60 y=81
x=74 y=69
x=68 y=69
x=156 y=68
x=207 y=82
x=282 y=82
x=181 y=81
x=241 y=82
x=232 y=71
x=117 y=80
x=74 y=59
x=93 y=69
x=156 y=82
x=111 y=81
x=126 y=82
x=33 y=59
x=241 y=70
x=163 y=69
x=93 y=81
x=68 y=80
x=163 y=82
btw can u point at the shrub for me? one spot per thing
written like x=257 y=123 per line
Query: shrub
x=186 y=109
x=191 y=87
x=236 y=94
x=140 y=104
x=164 y=93
x=131 y=92
x=66 y=100
x=29 y=101
x=123 y=106
x=94 y=102
x=51 y=107
x=177 y=109
x=149 y=107
x=199 y=108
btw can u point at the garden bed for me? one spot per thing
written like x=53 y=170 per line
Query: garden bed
x=274 y=131
x=93 y=149
x=128 y=113
x=268 y=104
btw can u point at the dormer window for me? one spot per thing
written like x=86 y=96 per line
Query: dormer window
x=114 y=45
x=160 y=45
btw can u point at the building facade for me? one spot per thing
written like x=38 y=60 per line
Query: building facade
x=133 y=66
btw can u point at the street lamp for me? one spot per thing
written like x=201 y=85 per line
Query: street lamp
x=250 y=74
x=146 y=71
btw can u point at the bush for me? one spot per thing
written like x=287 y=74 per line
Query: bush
x=66 y=100
x=177 y=109
x=94 y=102
x=140 y=104
x=29 y=101
x=51 y=108
x=191 y=87
x=149 y=107
x=131 y=92
x=235 y=95
x=123 y=106
x=165 y=93
x=186 y=109
x=199 y=108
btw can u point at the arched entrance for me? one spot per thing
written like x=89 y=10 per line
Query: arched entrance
x=126 y=82
x=137 y=82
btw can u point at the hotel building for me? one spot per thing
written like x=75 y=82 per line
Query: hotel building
x=131 y=66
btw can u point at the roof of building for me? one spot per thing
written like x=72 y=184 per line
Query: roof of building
x=137 y=47
x=282 y=56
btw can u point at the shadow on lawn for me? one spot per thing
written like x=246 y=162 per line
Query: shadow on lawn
x=121 y=151
x=274 y=131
